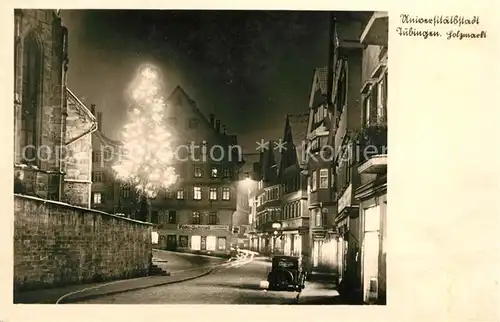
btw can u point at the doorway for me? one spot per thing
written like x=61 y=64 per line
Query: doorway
x=371 y=238
x=171 y=242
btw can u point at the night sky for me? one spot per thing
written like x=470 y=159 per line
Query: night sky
x=249 y=68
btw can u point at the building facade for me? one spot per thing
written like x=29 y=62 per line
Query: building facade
x=268 y=203
x=196 y=215
x=52 y=128
x=319 y=174
x=295 y=216
x=372 y=166
x=108 y=194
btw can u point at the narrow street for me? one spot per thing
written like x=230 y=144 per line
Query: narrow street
x=226 y=285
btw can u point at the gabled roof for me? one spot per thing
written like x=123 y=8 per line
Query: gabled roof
x=79 y=104
x=79 y=119
x=268 y=164
x=319 y=83
x=298 y=127
x=178 y=91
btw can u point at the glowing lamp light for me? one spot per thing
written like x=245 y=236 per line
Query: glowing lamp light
x=149 y=73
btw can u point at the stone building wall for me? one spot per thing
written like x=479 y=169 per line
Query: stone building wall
x=58 y=244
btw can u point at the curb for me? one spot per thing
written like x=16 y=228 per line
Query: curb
x=189 y=254
x=94 y=296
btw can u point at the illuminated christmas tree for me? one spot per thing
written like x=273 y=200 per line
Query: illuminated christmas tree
x=147 y=161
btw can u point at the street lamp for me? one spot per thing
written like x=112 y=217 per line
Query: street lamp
x=276 y=233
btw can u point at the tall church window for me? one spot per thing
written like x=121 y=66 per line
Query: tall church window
x=31 y=98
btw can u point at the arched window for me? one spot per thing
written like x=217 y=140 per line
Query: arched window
x=31 y=94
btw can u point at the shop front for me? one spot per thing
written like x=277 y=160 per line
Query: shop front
x=374 y=250
x=209 y=239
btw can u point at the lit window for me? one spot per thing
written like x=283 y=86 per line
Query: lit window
x=197 y=193
x=97 y=198
x=221 y=242
x=180 y=194
x=198 y=173
x=318 y=218
x=314 y=179
x=195 y=242
x=196 y=218
x=215 y=172
x=211 y=242
x=323 y=178
x=213 y=194
x=367 y=110
x=226 y=193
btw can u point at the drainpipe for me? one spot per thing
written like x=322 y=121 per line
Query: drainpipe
x=64 y=110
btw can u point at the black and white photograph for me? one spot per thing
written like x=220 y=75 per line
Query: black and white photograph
x=200 y=157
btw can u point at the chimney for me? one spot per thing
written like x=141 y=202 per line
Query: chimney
x=212 y=120
x=92 y=109
x=217 y=126
x=224 y=129
x=99 y=121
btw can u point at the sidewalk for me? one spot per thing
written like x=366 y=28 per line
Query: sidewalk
x=74 y=293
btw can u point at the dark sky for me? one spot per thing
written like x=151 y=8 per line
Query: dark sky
x=249 y=68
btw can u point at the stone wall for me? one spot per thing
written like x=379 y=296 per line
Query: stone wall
x=57 y=244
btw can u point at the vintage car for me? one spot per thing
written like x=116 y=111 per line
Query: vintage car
x=286 y=274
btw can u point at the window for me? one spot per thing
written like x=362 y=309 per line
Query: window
x=97 y=198
x=226 y=193
x=197 y=193
x=221 y=243
x=31 y=89
x=214 y=172
x=183 y=241
x=213 y=193
x=314 y=180
x=107 y=155
x=169 y=194
x=125 y=191
x=195 y=242
x=213 y=218
x=367 y=107
x=332 y=177
x=382 y=99
x=193 y=123
x=319 y=114
x=226 y=173
x=196 y=218
x=180 y=194
x=97 y=176
x=323 y=178
x=154 y=216
x=211 y=242
x=318 y=218
x=172 y=217
x=96 y=157
x=198 y=172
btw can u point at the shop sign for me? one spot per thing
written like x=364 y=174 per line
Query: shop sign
x=345 y=200
x=204 y=227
